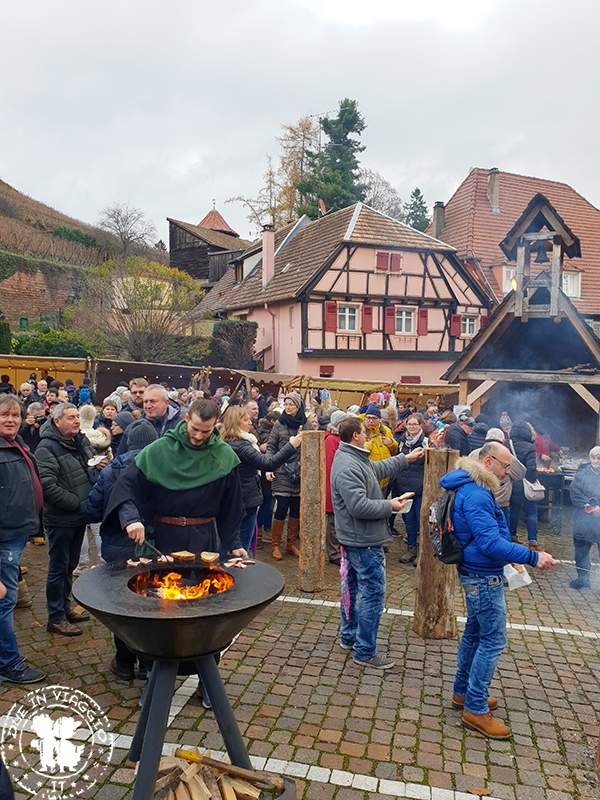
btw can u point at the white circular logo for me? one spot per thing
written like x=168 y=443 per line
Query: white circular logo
x=56 y=743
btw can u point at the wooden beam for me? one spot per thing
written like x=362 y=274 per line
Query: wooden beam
x=519 y=276
x=532 y=376
x=543 y=235
x=463 y=393
x=586 y=395
x=480 y=391
x=311 y=566
x=526 y=279
x=555 y=285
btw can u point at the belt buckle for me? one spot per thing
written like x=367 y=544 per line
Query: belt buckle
x=183 y=522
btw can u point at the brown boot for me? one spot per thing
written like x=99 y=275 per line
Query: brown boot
x=458 y=701
x=276 y=533
x=292 y=537
x=487 y=724
x=23 y=596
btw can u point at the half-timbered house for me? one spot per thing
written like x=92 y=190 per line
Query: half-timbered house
x=353 y=294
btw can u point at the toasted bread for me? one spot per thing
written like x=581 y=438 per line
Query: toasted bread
x=208 y=557
x=406 y=496
x=183 y=555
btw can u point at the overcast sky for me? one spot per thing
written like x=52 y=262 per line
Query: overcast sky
x=167 y=105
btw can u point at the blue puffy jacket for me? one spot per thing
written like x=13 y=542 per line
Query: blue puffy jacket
x=479 y=523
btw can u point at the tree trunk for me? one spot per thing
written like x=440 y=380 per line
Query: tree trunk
x=311 y=567
x=436 y=582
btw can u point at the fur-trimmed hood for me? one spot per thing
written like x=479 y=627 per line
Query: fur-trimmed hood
x=470 y=470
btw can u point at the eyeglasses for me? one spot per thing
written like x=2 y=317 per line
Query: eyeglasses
x=502 y=464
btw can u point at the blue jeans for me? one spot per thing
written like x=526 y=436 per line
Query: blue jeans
x=516 y=504
x=10 y=558
x=363 y=592
x=412 y=521
x=247 y=528
x=483 y=640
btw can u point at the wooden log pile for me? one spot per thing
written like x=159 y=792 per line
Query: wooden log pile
x=191 y=776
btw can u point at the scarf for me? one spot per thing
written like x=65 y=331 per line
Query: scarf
x=250 y=437
x=411 y=441
x=37 y=486
x=174 y=463
x=295 y=422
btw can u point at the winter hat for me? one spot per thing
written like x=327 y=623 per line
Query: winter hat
x=140 y=433
x=372 y=410
x=495 y=435
x=124 y=419
x=353 y=409
x=295 y=398
x=337 y=417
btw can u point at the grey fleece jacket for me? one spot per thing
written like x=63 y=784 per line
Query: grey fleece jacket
x=361 y=513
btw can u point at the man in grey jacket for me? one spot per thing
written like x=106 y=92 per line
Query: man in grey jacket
x=361 y=523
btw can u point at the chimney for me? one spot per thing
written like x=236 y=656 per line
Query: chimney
x=268 y=254
x=493 y=190
x=438 y=219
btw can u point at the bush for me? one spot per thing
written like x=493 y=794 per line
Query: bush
x=5 y=337
x=66 y=344
x=74 y=235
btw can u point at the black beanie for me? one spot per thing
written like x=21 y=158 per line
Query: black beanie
x=124 y=419
x=140 y=433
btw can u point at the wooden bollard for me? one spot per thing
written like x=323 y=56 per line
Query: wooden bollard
x=436 y=582
x=311 y=568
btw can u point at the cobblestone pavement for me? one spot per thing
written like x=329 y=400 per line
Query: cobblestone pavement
x=349 y=733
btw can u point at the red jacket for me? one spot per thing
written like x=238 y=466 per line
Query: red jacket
x=332 y=442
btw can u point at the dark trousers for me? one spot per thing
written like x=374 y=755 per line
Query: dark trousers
x=583 y=562
x=285 y=503
x=332 y=546
x=265 y=512
x=64 y=547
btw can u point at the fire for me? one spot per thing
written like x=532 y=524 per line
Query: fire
x=173 y=586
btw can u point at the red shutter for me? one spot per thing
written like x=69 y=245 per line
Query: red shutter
x=455 y=324
x=484 y=318
x=395 y=262
x=389 y=319
x=367 y=319
x=422 y=322
x=383 y=260
x=331 y=316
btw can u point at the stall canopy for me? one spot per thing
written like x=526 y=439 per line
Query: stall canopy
x=19 y=368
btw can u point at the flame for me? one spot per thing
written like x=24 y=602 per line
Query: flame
x=172 y=586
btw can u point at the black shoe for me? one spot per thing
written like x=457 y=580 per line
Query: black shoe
x=64 y=628
x=25 y=674
x=579 y=583
x=121 y=670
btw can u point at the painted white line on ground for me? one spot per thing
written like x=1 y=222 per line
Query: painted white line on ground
x=405 y=612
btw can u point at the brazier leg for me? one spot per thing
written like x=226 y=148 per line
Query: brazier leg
x=138 y=737
x=156 y=725
x=213 y=684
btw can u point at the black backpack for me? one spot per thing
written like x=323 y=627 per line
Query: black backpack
x=445 y=545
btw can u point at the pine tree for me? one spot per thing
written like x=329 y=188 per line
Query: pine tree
x=333 y=172
x=416 y=210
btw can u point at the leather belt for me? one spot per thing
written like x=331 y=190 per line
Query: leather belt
x=184 y=522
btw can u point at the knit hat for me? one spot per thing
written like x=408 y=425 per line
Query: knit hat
x=373 y=411
x=336 y=417
x=124 y=419
x=353 y=409
x=494 y=435
x=295 y=398
x=140 y=433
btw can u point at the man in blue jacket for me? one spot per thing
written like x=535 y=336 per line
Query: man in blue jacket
x=480 y=526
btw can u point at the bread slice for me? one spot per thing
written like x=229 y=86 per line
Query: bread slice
x=183 y=555
x=208 y=557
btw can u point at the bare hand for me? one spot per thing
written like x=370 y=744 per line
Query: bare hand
x=136 y=531
x=398 y=504
x=102 y=464
x=545 y=561
x=296 y=440
x=239 y=553
x=269 y=476
x=415 y=454
x=387 y=441
x=2 y=590
x=263 y=447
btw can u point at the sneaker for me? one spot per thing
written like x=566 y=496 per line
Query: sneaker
x=346 y=645
x=24 y=674
x=377 y=661
x=579 y=583
x=63 y=628
x=201 y=695
x=123 y=671
x=77 y=614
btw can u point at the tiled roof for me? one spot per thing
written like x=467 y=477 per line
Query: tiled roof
x=213 y=300
x=311 y=246
x=476 y=231
x=222 y=240
x=215 y=221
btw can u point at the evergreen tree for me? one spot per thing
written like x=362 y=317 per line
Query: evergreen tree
x=417 y=213
x=333 y=171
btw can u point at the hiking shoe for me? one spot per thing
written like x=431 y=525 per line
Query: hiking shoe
x=410 y=556
x=122 y=670
x=24 y=569
x=77 y=614
x=579 y=583
x=64 y=628
x=487 y=724
x=346 y=645
x=458 y=701
x=24 y=674
x=40 y=541
x=377 y=661
x=23 y=596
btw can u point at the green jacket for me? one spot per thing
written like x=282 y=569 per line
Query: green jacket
x=65 y=476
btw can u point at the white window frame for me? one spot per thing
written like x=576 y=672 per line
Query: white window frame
x=571 y=277
x=413 y=313
x=468 y=334
x=508 y=273
x=347 y=331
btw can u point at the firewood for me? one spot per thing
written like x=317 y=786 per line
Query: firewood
x=209 y=558
x=264 y=780
x=167 y=782
x=226 y=788
x=181 y=792
x=189 y=772
x=199 y=789
x=168 y=762
x=211 y=783
x=244 y=790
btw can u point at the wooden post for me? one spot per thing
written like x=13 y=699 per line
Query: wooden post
x=311 y=567
x=555 y=286
x=519 y=277
x=436 y=582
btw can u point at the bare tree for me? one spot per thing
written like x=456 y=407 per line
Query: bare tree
x=296 y=142
x=130 y=225
x=265 y=207
x=381 y=195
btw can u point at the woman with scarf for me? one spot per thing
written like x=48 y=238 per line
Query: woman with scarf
x=286 y=483
x=411 y=480
x=585 y=496
x=237 y=432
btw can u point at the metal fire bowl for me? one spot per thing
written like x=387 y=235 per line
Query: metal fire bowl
x=176 y=629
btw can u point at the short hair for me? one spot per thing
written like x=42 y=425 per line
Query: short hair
x=10 y=399
x=59 y=410
x=416 y=416
x=348 y=427
x=595 y=451
x=25 y=383
x=156 y=387
x=204 y=410
x=37 y=407
x=110 y=401
x=138 y=382
x=489 y=449
x=432 y=402
x=250 y=402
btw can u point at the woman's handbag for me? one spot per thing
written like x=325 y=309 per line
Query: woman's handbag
x=534 y=491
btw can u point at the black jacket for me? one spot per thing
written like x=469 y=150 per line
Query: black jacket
x=252 y=461
x=524 y=449
x=477 y=437
x=65 y=476
x=18 y=513
x=411 y=478
x=30 y=435
x=457 y=439
x=586 y=489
